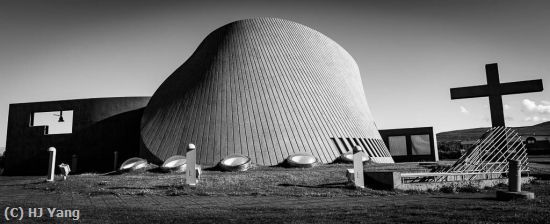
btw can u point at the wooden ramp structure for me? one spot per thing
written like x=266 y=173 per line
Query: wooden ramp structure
x=486 y=159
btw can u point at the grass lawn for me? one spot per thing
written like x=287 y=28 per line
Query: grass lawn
x=278 y=195
x=323 y=181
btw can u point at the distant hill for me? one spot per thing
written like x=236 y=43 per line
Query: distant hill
x=475 y=133
x=2 y=149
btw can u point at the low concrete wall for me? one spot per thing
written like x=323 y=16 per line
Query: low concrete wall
x=383 y=179
x=392 y=180
x=435 y=186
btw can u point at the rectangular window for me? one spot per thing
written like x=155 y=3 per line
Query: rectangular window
x=55 y=122
x=420 y=144
x=398 y=145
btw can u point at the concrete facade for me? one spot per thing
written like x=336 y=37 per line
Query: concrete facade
x=100 y=126
x=265 y=88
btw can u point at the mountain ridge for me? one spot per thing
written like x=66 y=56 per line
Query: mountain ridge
x=474 y=133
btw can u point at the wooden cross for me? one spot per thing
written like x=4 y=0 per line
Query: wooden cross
x=494 y=90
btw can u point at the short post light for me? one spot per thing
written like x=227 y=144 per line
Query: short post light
x=359 y=180
x=514 y=184
x=51 y=164
x=74 y=162
x=115 y=160
x=514 y=176
x=190 y=173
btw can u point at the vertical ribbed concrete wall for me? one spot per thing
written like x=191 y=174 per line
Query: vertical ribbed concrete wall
x=266 y=88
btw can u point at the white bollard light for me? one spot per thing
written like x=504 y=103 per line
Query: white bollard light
x=51 y=164
x=358 y=167
x=191 y=173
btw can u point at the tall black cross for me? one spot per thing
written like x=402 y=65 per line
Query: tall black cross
x=494 y=90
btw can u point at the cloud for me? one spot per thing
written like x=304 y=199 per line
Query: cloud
x=508 y=118
x=464 y=110
x=536 y=118
x=532 y=106
x=545 y=102
x=507 y=107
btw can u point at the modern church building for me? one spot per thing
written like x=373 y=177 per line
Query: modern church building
x=265 y=88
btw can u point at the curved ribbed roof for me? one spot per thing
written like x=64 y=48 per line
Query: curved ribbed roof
x=266 y=88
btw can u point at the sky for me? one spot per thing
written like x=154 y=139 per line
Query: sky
x=410 y=53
